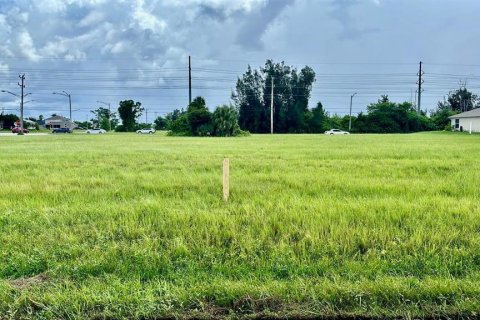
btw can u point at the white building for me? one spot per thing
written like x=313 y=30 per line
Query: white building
x=466 y=120
x=58 y=122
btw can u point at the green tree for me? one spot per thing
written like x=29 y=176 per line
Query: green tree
x=129 y=111
x=177 y=123
x=105 y=119
x=198 y=121
x=462 y=100
x=199 y=117
x=440 y=117
x=292 y=89
x=389 y=117
x=225 y=121
x=8 y=120
x=336 y=122
x=83 y=124
x=316 y=119
x=172 y=116
x=248 y=97
x=160 y=123
x=180 y=126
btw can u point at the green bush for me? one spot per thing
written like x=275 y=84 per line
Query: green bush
x=120 y=128
x=225 y=121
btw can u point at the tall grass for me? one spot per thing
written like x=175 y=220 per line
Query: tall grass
x=135 y=226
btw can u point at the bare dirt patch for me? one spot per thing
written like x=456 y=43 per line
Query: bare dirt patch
x=27 y=283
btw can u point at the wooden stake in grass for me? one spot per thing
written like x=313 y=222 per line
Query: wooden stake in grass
x=226 y=179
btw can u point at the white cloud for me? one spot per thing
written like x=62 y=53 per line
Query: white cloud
x=27 y=47
x=72 y=49
x=52 y=6
x=119 y=47
x=75 y=55
x=56 y=6
x=15 y=17
x=228 y=6
x=146 y=20
x=91 y=19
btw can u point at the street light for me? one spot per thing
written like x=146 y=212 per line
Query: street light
x=66 y=94
x=16 y=95
x=109 y=122
x=21 y=106
x=350 y=121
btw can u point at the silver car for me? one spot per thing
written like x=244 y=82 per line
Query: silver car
x=336 y=131
x=146 y=131
x=96 y=131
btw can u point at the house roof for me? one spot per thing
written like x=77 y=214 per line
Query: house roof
x=475 y=113
x=56 y=118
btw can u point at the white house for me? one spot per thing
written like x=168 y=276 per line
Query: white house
x=466 y=120
x=58 y=122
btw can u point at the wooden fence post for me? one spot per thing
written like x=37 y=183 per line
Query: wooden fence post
x=226 y=179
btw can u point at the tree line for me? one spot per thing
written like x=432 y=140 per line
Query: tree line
x=290 y=90
x=291 y=94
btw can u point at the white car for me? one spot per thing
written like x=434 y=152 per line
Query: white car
x=146 y=131
x=96 y=131
x=336 y=131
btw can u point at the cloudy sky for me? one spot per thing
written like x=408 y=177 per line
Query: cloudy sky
x=105 y=50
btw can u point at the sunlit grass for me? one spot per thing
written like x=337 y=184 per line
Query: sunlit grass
x=135 y=226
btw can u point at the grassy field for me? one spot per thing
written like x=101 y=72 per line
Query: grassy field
x=128 y=226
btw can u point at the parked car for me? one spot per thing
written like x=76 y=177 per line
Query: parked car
x=96 y=131
x=62 y=130
x=336 y=131
x=146 y=131
x=17 y=130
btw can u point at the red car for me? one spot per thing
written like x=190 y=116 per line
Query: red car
x=17 y=130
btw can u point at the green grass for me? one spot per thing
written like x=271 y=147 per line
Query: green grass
x=128 y=226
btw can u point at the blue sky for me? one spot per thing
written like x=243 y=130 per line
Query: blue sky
x=100 y=50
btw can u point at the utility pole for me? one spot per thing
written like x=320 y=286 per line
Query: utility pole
x=189 y=80
x=420 y=82
x=22 y=86
x=21 y=96
x=271 y=110
x=146 y=115
x=350 y=120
